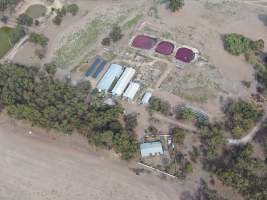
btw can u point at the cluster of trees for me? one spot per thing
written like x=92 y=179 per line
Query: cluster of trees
x=4 y=4
x=25 y=20
x=114 y=35
x=237 y=44
x=178 y=135
x=185 y=113
x=241 y=116
x=73 y=9
x=239 y=169
x=212 y=139
x=37 y=38
x=33 y=95
x=159 y=105
x=175 y=5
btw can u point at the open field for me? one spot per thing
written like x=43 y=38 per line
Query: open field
x=36 y=11
x=48 y=166
x=5 y=35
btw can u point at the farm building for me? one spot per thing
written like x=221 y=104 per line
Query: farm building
x=151 y=149
x=146 y=98
x=124 y=80
x=165 y=48
x=185 y=54
x=110 y=76
x=144 y=42
x=131 y=91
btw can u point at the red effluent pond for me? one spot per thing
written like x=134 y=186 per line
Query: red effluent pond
x=165 y=48
x=185 y=55
x=144 y=42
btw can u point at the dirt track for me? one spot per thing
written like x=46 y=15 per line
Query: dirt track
x=58 y=168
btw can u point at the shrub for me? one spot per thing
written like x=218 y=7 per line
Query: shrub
x=4 y=19
x=116 y=33
x=38 y=39
x=159 y=105
x=25 y=19
x=236 y=44
x=185 y=113
x=73 y=9
x=178 y=135
x=106 y=41
x=176 y=5
x=57 y=20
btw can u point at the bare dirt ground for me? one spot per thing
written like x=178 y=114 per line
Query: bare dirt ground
x=58 y=167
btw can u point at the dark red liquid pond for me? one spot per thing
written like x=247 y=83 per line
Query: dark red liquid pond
x=144 y=42
x=165 y=48
x=185 y=55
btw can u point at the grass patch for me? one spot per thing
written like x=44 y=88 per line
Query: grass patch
x=36 y=11
x=132 y=22
x=5 y=40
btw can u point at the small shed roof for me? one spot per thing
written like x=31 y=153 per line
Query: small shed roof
x=151 y=148
x=113 y=72
x=146 y=98
x=131 y=90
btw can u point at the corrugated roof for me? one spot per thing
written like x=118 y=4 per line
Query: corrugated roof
x=131 y=90
x=151 y=148
x=146 y=98
x=123 y=81
x=113 y=72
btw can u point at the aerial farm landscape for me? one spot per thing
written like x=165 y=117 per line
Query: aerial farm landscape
x=144 y=99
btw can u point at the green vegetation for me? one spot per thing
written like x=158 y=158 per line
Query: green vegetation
x=178 y=135
x=37 y=38
x=25 y=19
x=32 y=95
x=185 y=113
x=176 y=5
x=36 y=11
x=73 y=9
x=106 y=41
x=159 y=105
x=237 y=44
x=116 y=33
x=239 y=169
x=132 y=22
x=4 y=4
x=241 y=116
x=9 y=37
x=4 y=19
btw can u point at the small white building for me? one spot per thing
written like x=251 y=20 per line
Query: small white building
x=147 y=96
x=124 y=80
x=151 y=149
x=131 y=91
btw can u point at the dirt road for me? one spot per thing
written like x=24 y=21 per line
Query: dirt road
x=38 y=166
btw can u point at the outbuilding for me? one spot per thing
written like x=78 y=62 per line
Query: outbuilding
x=147 y=96
x=113 y=73
x=131 y=91
x=124 y=80
x=151 y=149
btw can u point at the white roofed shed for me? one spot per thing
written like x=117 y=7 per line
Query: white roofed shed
x=124 y=80
x=112 y=73
x=131 y=91
x=146 y=98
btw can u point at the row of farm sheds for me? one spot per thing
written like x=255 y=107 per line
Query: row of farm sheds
x=118 y=81
x=182 y=53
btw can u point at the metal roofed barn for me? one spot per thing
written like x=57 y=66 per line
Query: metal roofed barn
x=146 y=98
x=151 y=149
x=144 y=42
x=124 y=80
x=131 y=91
x=110 y=76
x=185 y=54
x=165 y=48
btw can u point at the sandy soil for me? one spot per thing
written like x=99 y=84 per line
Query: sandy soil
x=58 y=167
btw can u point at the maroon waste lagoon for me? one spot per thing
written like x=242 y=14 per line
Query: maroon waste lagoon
x=185 y=55
x=144 y=42
x=165 y=48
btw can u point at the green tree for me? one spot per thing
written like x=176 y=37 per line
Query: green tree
x=37 y=38
x=73 y=9
x=176 y=5
x=25 y=19
x=159 y=105
x=178 y=135
x=116 y=33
